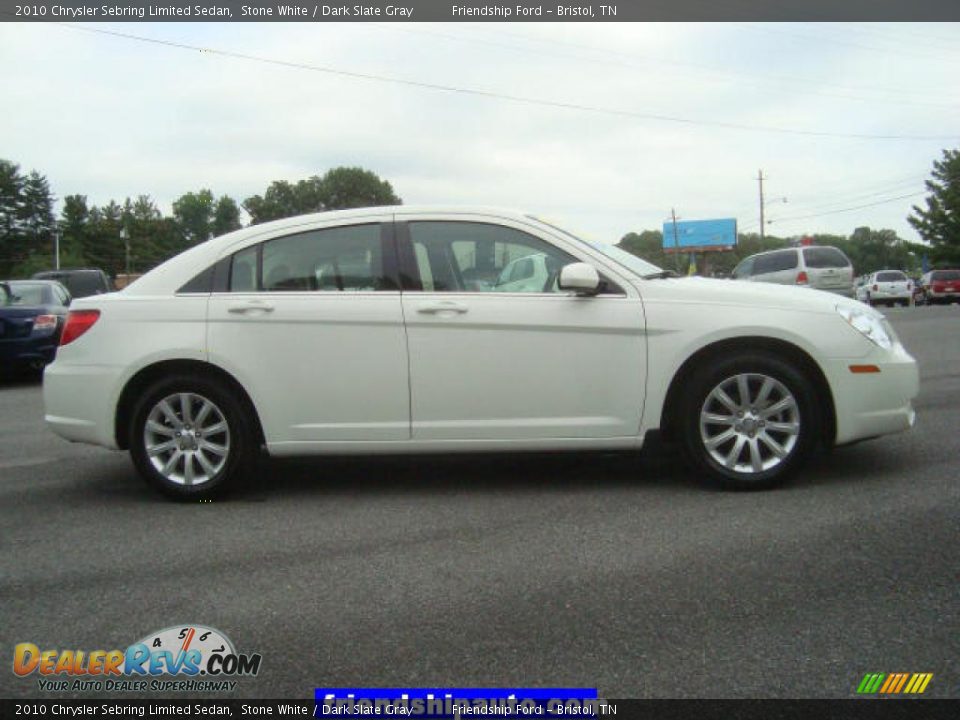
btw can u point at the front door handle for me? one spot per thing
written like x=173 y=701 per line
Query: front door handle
x=251 y=306
x=442 y=307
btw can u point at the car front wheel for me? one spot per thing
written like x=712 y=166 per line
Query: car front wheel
x=749 y=421
x=190 y=438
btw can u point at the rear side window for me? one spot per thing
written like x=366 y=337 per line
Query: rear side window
x=825 y=257
x=340 y=259
x=891 y=276
x=775 y=262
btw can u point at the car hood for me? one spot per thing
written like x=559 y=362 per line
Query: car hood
x=709 y=291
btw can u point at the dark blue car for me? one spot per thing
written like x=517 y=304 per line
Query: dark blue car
x=32 y=315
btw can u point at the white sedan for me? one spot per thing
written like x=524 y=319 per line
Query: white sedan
x=381 y=330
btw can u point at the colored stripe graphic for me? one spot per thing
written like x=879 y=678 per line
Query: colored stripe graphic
x=894 y=683
x=870 y=683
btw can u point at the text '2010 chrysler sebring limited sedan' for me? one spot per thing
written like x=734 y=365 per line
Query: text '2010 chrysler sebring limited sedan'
x=396 y=330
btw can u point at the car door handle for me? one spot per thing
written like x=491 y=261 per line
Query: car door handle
x=252 y=306
x=446 y=306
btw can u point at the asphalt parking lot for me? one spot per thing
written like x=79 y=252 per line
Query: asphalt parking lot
x=608 y=571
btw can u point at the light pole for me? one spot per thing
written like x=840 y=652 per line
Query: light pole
x=770 y=202
x=125 y=236
x=56 y=248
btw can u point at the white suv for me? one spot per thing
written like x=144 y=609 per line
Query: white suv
x=379 y=331
x=886 y=287
x=819 y=267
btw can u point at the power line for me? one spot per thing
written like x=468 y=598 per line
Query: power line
x=848 y=209
x=488 y=94
x=725 y=75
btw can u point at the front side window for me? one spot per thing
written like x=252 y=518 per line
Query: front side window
x=480 y=257
x=340 y=259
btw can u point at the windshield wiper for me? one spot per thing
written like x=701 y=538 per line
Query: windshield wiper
x=660 y=275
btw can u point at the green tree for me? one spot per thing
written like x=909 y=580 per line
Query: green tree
x=226 y=216
x=11 y=213
x=193 y=213
x=37 y=214
x=338 y=189
x=74 y=220
x=939 y=222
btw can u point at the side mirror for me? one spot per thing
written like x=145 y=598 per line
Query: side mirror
x=582 y=278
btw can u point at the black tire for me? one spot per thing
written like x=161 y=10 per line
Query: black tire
x=787 y=380
x=241 y=439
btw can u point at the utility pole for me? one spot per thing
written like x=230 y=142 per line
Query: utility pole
x=676 y=240
x=762 y=221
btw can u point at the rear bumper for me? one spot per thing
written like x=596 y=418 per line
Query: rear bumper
x=872 y=404
x=79 y=401
x=26 y=351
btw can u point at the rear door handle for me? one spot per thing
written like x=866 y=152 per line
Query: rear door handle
x=251 y=306
x=442 y=307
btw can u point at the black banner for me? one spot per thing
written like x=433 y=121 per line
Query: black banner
x=479 y=11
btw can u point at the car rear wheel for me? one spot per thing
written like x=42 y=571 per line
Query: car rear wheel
x=190 y=438
x=749 y=421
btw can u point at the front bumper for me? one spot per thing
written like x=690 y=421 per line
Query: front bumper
x=869 y=404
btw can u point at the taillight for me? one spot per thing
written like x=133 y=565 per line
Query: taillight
x=802 y=278
x=45 y=322
x=78 y=322
x=909 y=285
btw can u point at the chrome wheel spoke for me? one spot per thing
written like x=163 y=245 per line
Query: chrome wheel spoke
x=724 y=399
x=775 y=447
x=220 y=450
x=731 y=459
x=172 y=462
x=791 y=428
x=215 y=429
x=743 y=387
x=168 y=413
x=205 y=410
x=714 y=419
x=718 y=440
x=163 y=447
x=756 y=460
x=186 y=411
x=188 y=469
x=783 y=405
x=764 y=392
x=207 y=466
x=160 y=429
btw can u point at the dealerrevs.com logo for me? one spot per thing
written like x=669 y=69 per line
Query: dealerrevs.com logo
x=201 y=658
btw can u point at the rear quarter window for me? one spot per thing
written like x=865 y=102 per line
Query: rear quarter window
x=824 y=257
x=775 y=262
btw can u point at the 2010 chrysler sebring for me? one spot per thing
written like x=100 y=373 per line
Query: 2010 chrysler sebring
x=401 y=329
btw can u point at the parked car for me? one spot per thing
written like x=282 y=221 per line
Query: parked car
x=32 y=315
x=941 y=286
x=886 y=287
x=201 y=363
x=819 y=267
x=81 y=282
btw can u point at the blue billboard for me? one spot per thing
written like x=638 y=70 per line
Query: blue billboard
x=692 y=235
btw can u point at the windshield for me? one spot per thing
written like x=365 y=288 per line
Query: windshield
x=620 y=256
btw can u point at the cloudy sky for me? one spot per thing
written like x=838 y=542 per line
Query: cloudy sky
x=667 y=115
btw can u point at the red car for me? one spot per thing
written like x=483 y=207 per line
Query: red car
x=941 y=286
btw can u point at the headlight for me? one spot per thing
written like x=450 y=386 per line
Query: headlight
x=868 y=323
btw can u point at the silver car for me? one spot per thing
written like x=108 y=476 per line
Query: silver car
x=819 y=267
